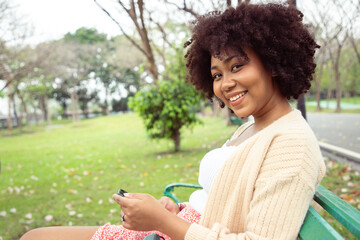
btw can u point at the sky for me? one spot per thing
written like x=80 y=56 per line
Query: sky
x=52 y=19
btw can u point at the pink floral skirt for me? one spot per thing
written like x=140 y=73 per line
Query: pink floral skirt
x=118 y=232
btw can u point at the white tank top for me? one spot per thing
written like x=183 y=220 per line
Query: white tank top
x=210 y=165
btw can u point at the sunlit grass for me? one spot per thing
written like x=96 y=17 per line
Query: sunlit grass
x=67 y=175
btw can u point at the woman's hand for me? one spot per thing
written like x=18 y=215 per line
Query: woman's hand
x=141 y=212
x=169 y=205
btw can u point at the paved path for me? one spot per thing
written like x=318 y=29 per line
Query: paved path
x=341 y=130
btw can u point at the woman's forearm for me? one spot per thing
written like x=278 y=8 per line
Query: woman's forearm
x=173 y=226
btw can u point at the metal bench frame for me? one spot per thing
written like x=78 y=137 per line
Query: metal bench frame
x=314 y=226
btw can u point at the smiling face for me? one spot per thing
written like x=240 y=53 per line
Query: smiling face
x=244 y=85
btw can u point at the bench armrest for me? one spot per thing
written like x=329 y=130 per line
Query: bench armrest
x=170 y=188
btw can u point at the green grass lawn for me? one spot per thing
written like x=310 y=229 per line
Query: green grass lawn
x=71 y=173
x=67 y=175
x=348 y=105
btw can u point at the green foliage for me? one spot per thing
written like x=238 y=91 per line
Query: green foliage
x=85 y=36
x=170 y=105
x=166 y=108
x=351 y=73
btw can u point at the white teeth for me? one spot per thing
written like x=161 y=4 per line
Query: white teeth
x=237 y=96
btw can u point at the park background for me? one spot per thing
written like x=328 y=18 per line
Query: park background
x=88 y=112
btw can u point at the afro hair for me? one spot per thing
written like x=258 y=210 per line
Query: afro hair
x=275 y=32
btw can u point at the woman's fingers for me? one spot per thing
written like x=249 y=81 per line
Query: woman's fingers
x=169 y=204
x=140 y=211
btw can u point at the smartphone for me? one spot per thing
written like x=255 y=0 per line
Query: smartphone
x=121 y=192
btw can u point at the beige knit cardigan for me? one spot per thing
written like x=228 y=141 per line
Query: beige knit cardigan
x=264 y=189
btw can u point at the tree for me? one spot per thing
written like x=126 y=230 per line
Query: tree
x=61 y=94
x=137 y=14
x=350 y=71
x=86 y=95
x=13 y=31
x=78 y=60
x=85 y=36
x=14 y=65
x=109 y=77
x=130 y=81
x=335 y=21
x=168 y=107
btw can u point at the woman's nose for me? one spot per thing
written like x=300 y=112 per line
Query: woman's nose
x=228 y=82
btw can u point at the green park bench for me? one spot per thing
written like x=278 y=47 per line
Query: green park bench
x=236 y=121
x=315 y=226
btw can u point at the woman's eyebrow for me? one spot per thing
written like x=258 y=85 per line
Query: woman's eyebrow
x=228 y=59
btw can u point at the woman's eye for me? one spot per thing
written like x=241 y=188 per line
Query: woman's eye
x=235 y=67
x=216 y=76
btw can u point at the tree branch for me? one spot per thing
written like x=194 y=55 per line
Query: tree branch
x=122 y=30
x=184 y=8
x=161 y=29
x=352 y=41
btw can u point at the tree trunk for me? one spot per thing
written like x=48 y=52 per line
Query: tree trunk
x=64 y=107
x=20 y=121
x=27 y=115
x=228 y=115
x=337 y=79
x=106 y=107
x=43 y=114
x=21 y=113
x=176 y=139
x=203 y=108
x=216 y=108
x=35 y=115
x=328 y=96
x=301 y=105
x=353 y=43
x=148 y=50
x=329 y=91
x=73 y=106
x=10 y=99
x=85 y=109
x=317 y=78
x=338 y=90
x=15 y=111
x=48 y=115
x=77 y=114
x=23 y=104
x=153 y=68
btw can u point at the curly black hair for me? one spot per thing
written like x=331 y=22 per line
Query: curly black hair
x=275 y=32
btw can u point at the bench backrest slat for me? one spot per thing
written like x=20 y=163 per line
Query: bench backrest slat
x=315 y=227
x=339 y=209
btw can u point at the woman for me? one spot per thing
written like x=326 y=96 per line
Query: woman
x=259 y=184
